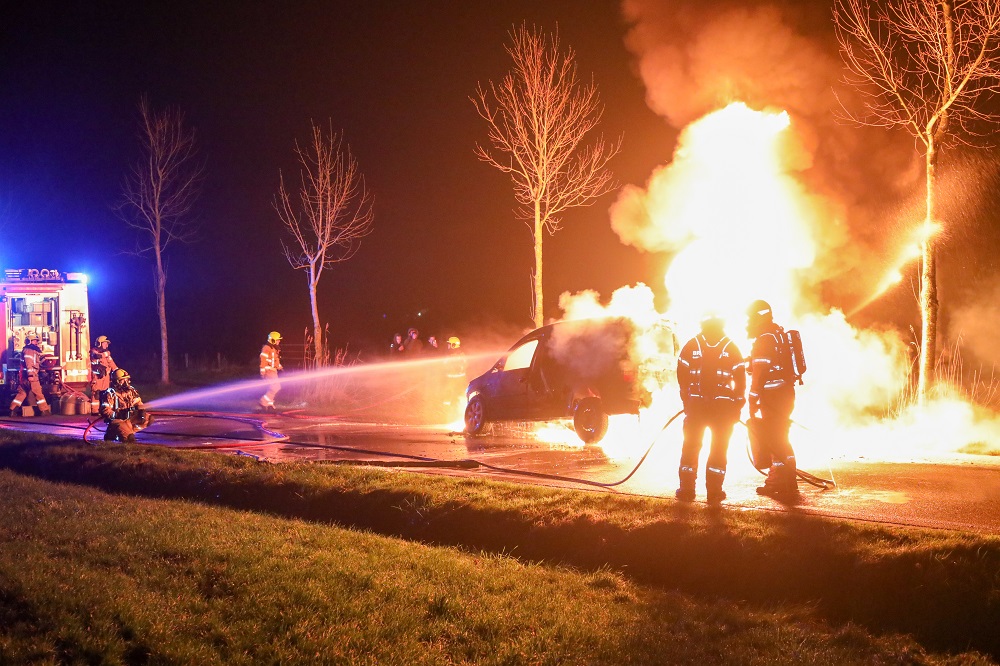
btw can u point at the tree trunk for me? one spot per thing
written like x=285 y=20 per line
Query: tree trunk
x=928 y=287
x=161 y=308
x=539 y=228
x=317 y=332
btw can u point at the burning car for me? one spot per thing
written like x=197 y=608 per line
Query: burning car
x=577 y=369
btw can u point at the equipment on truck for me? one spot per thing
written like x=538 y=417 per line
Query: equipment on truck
x=52 y=306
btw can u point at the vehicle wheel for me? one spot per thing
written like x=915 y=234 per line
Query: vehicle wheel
x=475 y=417
x=590 y=421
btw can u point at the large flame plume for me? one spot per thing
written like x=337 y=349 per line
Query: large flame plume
x=738 y=224
x=768 y=196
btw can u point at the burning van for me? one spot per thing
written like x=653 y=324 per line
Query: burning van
x=580 y=370
x=51 y=305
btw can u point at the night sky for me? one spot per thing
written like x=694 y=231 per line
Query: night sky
x=395 y=77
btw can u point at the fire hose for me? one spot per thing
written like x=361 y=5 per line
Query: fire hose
x=801 y=474
x=811 y=479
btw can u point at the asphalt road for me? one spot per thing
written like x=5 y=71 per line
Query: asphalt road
x=957 y=492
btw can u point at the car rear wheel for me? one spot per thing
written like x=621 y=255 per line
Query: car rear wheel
x=590 y=421
x=475 y=416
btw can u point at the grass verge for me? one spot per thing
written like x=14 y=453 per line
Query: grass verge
x=943 y=589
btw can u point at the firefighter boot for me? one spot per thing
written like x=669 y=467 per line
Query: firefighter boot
x=772 y=484
x=789 y=480
x=713 y=483
x=688 y=475
x=781 y=483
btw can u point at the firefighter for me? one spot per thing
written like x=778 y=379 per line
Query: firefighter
x=101 y=367
x=270 y=364
x=455 y=370
x=31 y=362
x=712 y=380
x=771 y=400
x=122 y=409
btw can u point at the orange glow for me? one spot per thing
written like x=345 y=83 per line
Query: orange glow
x=738 y=224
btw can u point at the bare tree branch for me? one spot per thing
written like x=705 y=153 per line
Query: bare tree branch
x=928 y=66
x=158 y=195
x=538 y=117
x=329 y=214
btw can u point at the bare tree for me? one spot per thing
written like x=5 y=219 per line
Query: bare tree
x=539 y=116
x=157 y=198
x=329 y=215
x=926 y=66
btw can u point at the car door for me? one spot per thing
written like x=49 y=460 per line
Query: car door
x=511 y=390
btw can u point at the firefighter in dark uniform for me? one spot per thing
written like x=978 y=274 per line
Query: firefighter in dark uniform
x=101 y=367
x=122 y=409
x=771 y=401
x=270 y=364
x=712 y=380
x=31 y=363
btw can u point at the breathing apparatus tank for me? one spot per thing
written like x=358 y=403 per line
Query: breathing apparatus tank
x=798 y=356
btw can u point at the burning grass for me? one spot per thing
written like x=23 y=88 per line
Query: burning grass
x=839 y=583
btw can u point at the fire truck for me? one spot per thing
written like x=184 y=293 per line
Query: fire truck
x=52 y=305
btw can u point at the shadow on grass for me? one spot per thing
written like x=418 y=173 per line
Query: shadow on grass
x=942 y=588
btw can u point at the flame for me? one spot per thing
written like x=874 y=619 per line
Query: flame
x=738 y=224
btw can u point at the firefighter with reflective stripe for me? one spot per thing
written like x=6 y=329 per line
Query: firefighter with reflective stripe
x=101 y=367
x=270 y=363
x=456 y=367
x=712 y=380
x=28 y=384
x=122 y=409
x=771 y=401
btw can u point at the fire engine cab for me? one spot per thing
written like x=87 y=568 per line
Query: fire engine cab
x=52 y=305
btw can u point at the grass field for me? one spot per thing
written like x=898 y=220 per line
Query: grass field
x=141 y=555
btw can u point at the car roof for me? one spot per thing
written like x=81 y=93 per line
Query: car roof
x=587 y=324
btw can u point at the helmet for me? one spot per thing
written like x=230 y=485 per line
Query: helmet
x=759 y=309
x=274 y=337
x=758 y=318
x=103 y=339
x=712 y=325
x=34 y=339
x=454 y=342
x=412 y=332
x=120 y=376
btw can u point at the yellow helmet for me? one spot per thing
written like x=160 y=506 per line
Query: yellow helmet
x=120 y=376
x=454 y=342
x=274 y=337
x=102 y=339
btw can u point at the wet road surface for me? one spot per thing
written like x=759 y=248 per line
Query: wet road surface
x=959 y=492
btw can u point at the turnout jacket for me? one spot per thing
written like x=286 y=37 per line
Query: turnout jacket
x=101 y=365
x=711 y=372
x=270 y=358
x=770 y=363
x=120 y=404
x=31 y=361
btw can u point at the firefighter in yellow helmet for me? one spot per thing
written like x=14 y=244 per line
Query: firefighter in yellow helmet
x=28 y=383
x=270 y=364
x=455 y=374
x=122 y=409
x=712 y=381
x=771 y=401
x=101 y=367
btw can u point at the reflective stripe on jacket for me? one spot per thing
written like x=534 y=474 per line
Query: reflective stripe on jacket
x=711 y=372
x=770 y=362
